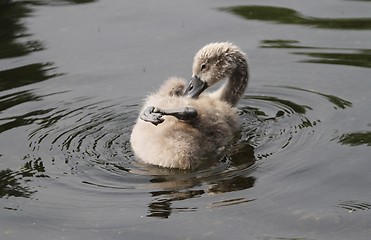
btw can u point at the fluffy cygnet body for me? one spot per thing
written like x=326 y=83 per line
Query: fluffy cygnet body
x=179 y=127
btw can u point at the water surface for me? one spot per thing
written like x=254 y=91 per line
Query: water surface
x=73 y=75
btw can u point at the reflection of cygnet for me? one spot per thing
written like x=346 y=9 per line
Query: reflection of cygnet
x=179 y=127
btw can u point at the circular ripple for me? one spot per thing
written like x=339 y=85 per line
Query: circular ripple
x=273 y=131
x=83 y=134
x=89 y=139
x=88 y=133
x=277 y=119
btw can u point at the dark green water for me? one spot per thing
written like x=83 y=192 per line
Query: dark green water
x=73 y=75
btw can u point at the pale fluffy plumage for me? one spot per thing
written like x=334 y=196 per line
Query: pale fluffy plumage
x=188 y=144
x=179 y=144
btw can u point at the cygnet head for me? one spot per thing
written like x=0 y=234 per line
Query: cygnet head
x=215 y=62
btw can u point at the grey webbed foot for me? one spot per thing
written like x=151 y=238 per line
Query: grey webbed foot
x=154 y=114
x=149 y=115
x=182 y=113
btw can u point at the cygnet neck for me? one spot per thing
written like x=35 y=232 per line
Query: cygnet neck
x=235 y=86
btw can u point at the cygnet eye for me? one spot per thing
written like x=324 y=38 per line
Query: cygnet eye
x=203 y=66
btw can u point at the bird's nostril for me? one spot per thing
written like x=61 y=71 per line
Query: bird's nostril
x=190 y=87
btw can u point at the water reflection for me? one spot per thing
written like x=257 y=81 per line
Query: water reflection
x=337 y=101
x=360 y=59
x=10 y=100
x=347 y=56
x=277 y=123
x=161 y=206
x=15 y=42
x=233 y=184
x=62 y=2
x=238 y=166
x=13 y=30
x=11 y=184
x=24 y=75
x=289 y=16
x=353 y=205
x=281 y=117
x=230 y=202
x=356 y=138
x=283 y=43
x=290 y=106
x=14 y=183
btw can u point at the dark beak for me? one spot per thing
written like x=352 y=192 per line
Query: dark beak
x=195 y=87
